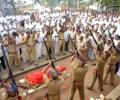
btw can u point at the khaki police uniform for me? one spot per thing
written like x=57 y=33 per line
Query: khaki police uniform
x=31 y=48
x=81 y=46
x=13 y=56
x=61 y=42
x=110 y=68
x=73 y=37
x=53 y=88
x=98 y=72
x=78 y=82
x=49 y=42
x=23 y=46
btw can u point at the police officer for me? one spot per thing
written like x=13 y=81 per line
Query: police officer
x=110 y=66
x=49 y=39
x=79 y=75
x=12 y=51
x=23 y=39
x=101 y=60
x=53 y=86
x=61 y=41
x=31 y=47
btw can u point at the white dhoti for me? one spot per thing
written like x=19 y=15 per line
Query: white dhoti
x=18 y=52
x=24 y=53
x=118 y=73
x=91 y=54
x=6 y=53
x=55 y=45
x=39 y=49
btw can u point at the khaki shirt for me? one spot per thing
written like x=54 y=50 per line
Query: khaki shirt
x=54 y=86
x=12 y=47
x=79 y=72
x=49 y=38
x=100 y=63
x=23 y=39
x=31 y=40
x=112 y=60
x=61 y=35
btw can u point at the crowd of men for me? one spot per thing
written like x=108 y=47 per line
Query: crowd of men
x=93 y=34
x=97 y=38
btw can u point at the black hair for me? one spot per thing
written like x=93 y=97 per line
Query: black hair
x=14 y=34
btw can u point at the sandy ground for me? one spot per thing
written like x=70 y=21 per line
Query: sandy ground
x=66 y=88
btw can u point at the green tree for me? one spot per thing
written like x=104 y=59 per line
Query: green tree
x=109 y=2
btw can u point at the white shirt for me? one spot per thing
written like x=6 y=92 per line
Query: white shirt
x=107 y=47
x=17 y=40
x=1 y=53
x=55 y=37
x=116 y=42
x=41 y=37
x=66 y=35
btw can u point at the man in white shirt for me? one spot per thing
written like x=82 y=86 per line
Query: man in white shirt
x=66 y=39
x=55 y=39
x=1 y=55
x=18 y=46
x=40 y=44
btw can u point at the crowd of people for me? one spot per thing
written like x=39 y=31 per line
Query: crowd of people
x=96 y=36
x=23 y=38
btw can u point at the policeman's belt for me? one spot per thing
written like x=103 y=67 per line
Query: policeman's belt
x=53 y=94
x=61 y=39
x=76 y=81
x=30 y=45
x=112 y=65
x=11 y=52
x=99 y=70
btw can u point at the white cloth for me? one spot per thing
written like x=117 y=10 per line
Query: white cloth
x=55 y=37
x=40 y=44
x=66 y=35
x=39 y=49
x=17 y=39
x=107 y=47
x=1 y=53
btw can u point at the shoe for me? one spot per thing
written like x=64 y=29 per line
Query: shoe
x=89 y=88
x=101 y=89
x=30 y=62
x=112 y=84
x=63 y=53
x=22 y=69
x=104 y=83
x=94 y=64
x=39 y=57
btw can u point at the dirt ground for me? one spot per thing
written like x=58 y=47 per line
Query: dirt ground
x=66 y=88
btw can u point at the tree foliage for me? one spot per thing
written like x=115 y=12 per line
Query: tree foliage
x=109 y=2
